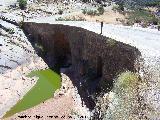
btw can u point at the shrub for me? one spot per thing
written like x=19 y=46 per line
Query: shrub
x=158 y=27
x=115 y=8
x=100 y=10
x=155 y=21
x=60 y=12
x=92 y=12
x=128 y=23
x=84 y=11
x=70 y=19
x=152 y=3
x=123 y=100
x=142 y=16
x=11 y=31
x=125 y=81
x=121 y=7
x=111 y=42
x=22 y=4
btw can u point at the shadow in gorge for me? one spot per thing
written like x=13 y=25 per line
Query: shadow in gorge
x=84 y=88
x=62 y=59
x=92 y=61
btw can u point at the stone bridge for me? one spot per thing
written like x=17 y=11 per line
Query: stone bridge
x=88 y=53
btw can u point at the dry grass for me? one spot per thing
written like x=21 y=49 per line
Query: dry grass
x=123 y=103
x=108 y=16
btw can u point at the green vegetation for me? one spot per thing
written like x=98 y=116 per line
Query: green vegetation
x=159 y=27
x=10 y=30
x=124 y=98
x=111 y=42
x=120 y=5
x=70 y=19
x=138 y=3
x=22 y=4
x=39 y=46
x=89 y=12
x=44 y=89
x=137 y=13
x=119 y=8
x=74 y=113
x=21 y=24
x=99 y=11
x=125 y=81
x=152 y=3
x=84 y=11
x=142 y=16
x=60 y=12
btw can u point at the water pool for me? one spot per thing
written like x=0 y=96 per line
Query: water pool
x=48 y=82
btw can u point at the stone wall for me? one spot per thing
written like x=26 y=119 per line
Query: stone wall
x=87 y=51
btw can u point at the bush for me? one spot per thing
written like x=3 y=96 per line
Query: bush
x=123 y=100
x=92 y=12
x=60 y=12
x=152 y=3
x=111 y=42
x=100 y=10
x=158 y=27
x=70 y=19
x=142 y=16
x=126 y=81
x=121 y=7
x=115 y=8
x=84 y=11
x=22 y=4
x=11 y=31
x=155 y=21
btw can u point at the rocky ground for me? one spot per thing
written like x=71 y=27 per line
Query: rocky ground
x=18 y=58
x=147 y=41
x=66 y=104
x=36 y=11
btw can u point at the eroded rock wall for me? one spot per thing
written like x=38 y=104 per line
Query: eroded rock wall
x=87 y=51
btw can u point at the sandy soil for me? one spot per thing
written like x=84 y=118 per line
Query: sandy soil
x=109 y=17
x=66 y=104
x=17 y=59
x=14 y=84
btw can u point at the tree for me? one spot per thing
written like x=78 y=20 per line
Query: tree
x=22 y=4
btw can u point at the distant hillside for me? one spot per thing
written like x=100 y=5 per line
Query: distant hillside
x=139 y=2
x=126 y=2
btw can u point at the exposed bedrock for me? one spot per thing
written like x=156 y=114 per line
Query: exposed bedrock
x=96 y=60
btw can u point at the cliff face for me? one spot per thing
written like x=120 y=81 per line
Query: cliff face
x=86 y=51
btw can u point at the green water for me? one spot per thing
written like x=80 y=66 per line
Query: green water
x=47 y=84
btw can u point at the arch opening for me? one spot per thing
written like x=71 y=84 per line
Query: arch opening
x=95 y=60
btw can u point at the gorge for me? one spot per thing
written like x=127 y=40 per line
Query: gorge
x=94 y=59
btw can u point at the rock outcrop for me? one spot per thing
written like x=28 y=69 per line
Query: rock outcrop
x=17 y=60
